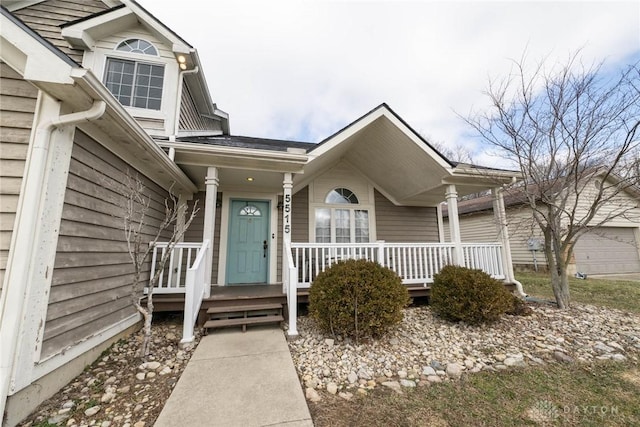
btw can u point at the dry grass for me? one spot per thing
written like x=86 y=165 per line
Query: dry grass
x=603 y=394
x=576 y=395
x=620 y=294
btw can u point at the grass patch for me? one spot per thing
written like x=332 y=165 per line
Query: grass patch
x=620 y=294
x=563 y=395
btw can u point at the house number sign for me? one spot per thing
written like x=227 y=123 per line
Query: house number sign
x=287 y=213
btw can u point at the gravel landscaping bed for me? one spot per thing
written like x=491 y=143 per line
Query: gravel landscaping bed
x=118 y=389
x=425 y=348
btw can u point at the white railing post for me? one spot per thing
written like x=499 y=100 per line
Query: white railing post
x=292 y=289
x=194 y=293
x=380 y=252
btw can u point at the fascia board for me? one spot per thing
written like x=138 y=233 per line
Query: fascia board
x=13 y=5
x=84 y=33
x=363 y=122
x=416 y=140
x=158 y=28
x=348 y=132
x=30 y=57
x=92 y=84
x=297 y=161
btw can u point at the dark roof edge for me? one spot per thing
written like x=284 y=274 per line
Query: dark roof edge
x=93 y=15
x=104 y=12
x=385 y=105
x=152 y=16
x=46 y=43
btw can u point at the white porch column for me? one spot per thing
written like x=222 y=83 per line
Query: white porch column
x=290 y=284
x=211 y=183
x=440 y=223
x=451 y=196
x=500 y=216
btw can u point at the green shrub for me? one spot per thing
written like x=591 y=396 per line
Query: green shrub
x=471 y=296
x=357 y=298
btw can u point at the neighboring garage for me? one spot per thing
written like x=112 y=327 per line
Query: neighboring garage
x=609 y=250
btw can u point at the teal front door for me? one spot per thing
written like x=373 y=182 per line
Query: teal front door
x=248 y=256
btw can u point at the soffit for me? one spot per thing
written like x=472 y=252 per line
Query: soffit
x=396 y=161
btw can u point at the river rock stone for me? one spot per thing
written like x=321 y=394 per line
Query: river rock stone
x=454 y=370
x=92 y=411
x=393 y=385
x=332 y=388
x=312 y=395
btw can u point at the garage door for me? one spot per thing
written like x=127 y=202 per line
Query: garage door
x=608 y=250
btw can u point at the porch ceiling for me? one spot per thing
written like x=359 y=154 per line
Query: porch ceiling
x=235 y=165
x=399 y=163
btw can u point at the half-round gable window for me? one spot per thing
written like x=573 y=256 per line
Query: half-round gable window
x=250 y=210
x=137 y=46
x=341 y=196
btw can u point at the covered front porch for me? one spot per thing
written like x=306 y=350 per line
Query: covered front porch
x=279 y=213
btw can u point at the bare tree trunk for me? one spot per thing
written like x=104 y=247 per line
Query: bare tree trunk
x=135 y=207
x=147 y=315
x=560 y=286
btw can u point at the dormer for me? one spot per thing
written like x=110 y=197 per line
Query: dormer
x=147 y=67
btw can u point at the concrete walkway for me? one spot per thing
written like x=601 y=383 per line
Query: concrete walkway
x=238 y=379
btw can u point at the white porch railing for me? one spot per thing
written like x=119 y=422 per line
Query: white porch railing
x=182 y=257
x=415 y=263
x=194 y=292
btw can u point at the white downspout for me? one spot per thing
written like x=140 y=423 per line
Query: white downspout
x=504 y=235
x=17 y=281
x=176 y=121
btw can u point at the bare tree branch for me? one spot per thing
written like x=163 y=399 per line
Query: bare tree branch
x=572 y=130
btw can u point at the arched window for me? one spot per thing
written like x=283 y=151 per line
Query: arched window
x=348 y=224
x=340 y=196
x=250 y=210
x=137 y=46
x=135 y=83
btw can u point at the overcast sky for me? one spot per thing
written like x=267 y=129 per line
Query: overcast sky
x=302 y=70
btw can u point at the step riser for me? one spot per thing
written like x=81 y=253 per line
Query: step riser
x=243 y=322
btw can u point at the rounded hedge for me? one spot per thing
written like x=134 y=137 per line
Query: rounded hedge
x=357 y=298
x=471 y=296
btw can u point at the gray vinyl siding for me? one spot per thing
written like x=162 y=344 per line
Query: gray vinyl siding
x=190 y=118
x=300 y=216
x=480 y=227
x=46 y=17
x=408 y=224
x=194 y=232
x=299 y=224
x=17 y=105
x=92 y=276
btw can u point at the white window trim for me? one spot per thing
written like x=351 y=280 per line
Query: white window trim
x=370 y=207
x=157 y=55
x=148 y=112
x=97 y=62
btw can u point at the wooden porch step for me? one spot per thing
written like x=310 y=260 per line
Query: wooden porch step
x=243 y=321
x=243 y=308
